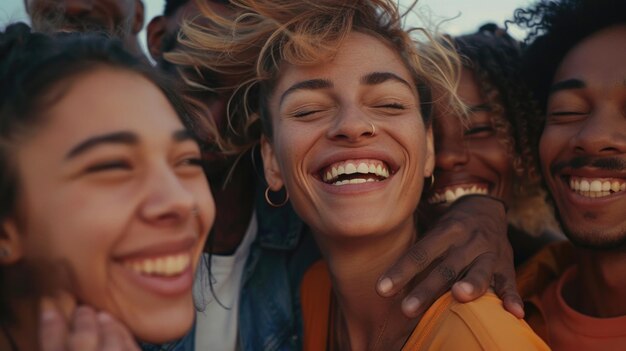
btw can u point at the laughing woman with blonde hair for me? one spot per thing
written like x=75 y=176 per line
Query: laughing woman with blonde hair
x=343 y=95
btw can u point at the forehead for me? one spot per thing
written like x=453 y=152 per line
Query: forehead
x=598 y=59
x=468 y=89
x=109 y=100
x=357 y=56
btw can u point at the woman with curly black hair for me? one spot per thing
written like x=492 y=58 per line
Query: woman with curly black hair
x=489 y=153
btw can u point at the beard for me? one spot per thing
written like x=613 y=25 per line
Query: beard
x=597 y=240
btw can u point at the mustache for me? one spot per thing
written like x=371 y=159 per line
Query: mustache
x=604 y=163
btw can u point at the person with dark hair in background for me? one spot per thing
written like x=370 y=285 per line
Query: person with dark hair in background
x=121 y=19
x=105 y=206
x=487 y=152
x=576 y=64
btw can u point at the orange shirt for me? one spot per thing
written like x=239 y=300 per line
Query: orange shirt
x=541 y=282
x=447 y=325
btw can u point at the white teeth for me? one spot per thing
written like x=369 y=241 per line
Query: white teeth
x=350 y=168
x=454 y=193
x=363 y=168
x=595 y=185
x=374 y=167
x=450 y=196
x=594 y=188
x=163 y=266
x=584 y=185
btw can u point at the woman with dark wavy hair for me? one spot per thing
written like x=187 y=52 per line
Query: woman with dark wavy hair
x=487 y=151
x=104 y=202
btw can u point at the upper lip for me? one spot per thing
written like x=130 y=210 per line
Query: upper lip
x=356 y=155
x=161 y=248
x=590 y=172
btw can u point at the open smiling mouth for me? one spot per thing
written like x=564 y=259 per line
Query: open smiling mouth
x=449 y=194
x=164 y=266
x=596 y=187
x=355 y=172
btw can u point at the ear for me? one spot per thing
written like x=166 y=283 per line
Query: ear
x=139 y=17
x=26 y=7
x=270 y=165
x=10 y=242
x=154 y=36
x=429 y=165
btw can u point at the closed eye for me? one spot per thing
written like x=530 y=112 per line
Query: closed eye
x=567 y=113
x=193 y=161
x=393 y=105
x=304 y=113
x=479 y=131
x=109 y=166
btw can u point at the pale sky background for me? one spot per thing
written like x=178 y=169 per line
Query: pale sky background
x=465 y=15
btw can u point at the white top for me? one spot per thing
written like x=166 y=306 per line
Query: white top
x=216 y=320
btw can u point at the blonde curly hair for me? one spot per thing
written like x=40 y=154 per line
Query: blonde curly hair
x=243 y=54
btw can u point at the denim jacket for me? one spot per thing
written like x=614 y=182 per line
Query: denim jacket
x=269 y=310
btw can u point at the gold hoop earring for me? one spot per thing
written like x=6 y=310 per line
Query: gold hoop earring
x=269 y=202
x=432 y=181
x=373 y=128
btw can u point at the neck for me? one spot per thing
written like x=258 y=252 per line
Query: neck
x=355 y=266
x=600 y=286
x=235 y=203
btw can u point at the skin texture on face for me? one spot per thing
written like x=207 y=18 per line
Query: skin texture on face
x=112 y=194
x=469 y=159
x=120 y=18
x=322 y=118
x=583 y=145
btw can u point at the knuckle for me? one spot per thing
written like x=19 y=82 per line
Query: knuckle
x=448 y=274
x=418 y=256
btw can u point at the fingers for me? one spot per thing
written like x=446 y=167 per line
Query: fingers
x=506 y=289
x=476 y=280
x=415 y=261
x=90 y=331
x=115 y=337
x=85 y=330
x=52 y=329
x=435 y=284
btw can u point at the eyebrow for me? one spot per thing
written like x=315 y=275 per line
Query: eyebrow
x=567 y=84
x=312 y=84
x=376 y=78
x=124 y=138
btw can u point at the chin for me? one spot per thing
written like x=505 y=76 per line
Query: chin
x=160 y=325
x=597 y=238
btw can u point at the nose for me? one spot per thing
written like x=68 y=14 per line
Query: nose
x=351 y=125
x=77 y=8
x=167 y=200
x=603 y=133
x=450 y=152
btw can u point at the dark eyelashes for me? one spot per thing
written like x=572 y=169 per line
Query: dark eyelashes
x=121 y=165
x=393 y=105
x=567 y=113
x=108 y=166
x=479 y=129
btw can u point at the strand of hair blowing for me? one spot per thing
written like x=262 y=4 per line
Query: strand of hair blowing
x=243 y=54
